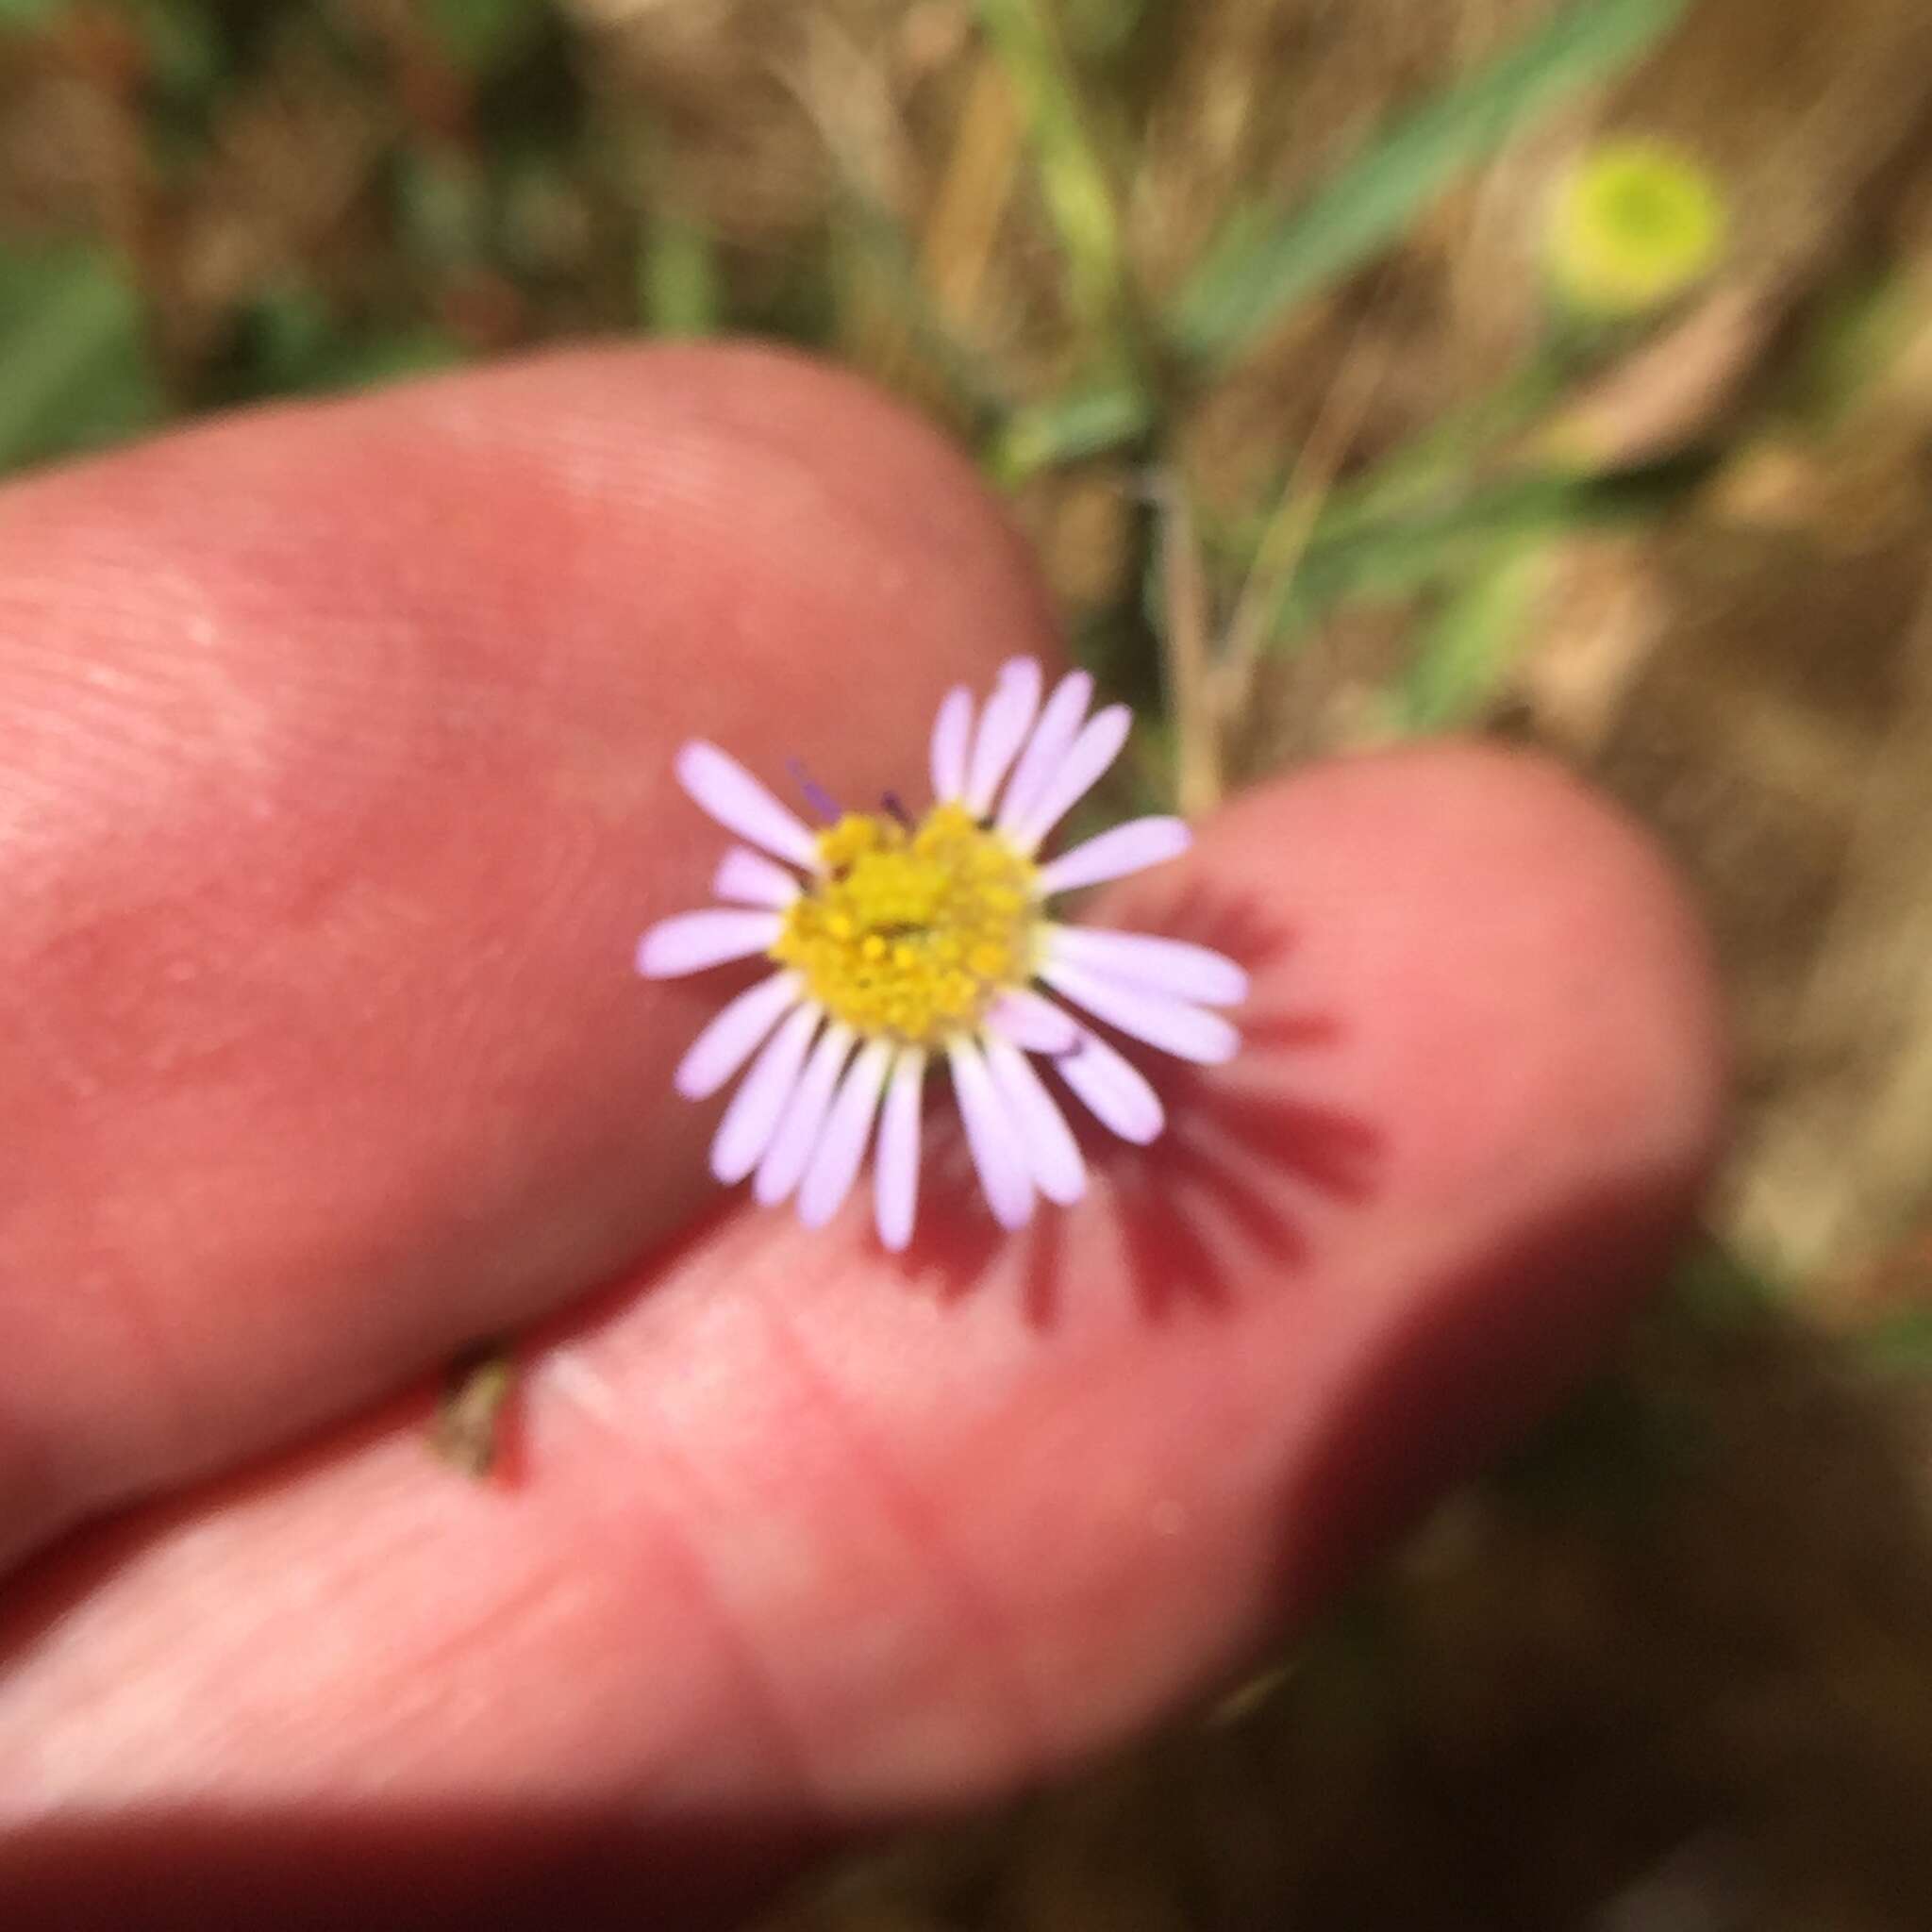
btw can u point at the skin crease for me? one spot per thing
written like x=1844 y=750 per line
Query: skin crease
x=336 y=793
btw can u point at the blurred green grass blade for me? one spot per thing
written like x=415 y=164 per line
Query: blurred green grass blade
x=883 y=239
x=1899 y=1343
x=1264 y=263
x=1085 y=422
x=74 y=369
x=1716 y=1288
x=393 y=356
x=292 y=341
x=679 y=291
x=1468 y=644
x=24 y=13
x=1102 y=29
x=1078 y=196
x=1394 y=557
x=184 y=45
x=484 y=35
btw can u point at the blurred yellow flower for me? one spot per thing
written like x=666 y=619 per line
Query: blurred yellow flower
x=1636 y=223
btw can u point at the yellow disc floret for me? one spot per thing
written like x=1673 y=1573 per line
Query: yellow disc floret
x=912 y=931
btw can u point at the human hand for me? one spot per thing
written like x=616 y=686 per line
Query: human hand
x=335 y=790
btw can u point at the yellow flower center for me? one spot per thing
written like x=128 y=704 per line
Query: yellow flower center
x=911 y=932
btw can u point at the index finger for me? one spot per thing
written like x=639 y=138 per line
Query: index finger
x=336 y=792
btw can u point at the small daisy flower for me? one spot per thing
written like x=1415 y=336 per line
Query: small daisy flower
x=897 y=946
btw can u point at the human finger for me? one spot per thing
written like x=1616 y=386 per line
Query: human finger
x=336 y=791
x=810 y=1538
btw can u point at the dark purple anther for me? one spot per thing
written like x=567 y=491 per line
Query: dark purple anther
x=897 y=805
x=816 y=795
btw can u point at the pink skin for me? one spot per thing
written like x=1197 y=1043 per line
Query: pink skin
x=337 y=792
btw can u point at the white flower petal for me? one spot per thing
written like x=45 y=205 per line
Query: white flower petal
x=1128 y=848
x=895 y=1181
x=992 y=1137
x=1003 y=728
x=1058 y=1172
x=848 y=1127
x=952 y=733
x=1059 y=724
x=749 y=879
x=733 y=1034
x=1114 y=1089
x=1032 y=1023
x=752 y=1118
x=1171 y=1025
x=691 y=942
x=797 y=1137
x=1173 y=967
x=722 y=787
x=1098 y=746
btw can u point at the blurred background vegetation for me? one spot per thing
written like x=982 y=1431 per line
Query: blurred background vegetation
x=1556 y=369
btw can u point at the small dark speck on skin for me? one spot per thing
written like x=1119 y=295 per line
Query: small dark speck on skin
x=466 y=1429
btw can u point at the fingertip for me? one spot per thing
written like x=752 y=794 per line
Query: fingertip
x=1533 y=1026
x=1508 y=949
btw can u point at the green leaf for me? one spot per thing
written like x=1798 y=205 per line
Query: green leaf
x=1467 y=646
x=1265 y=264
x=75 y=353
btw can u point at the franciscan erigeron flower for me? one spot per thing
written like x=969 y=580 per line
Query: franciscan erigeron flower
x=898 y=944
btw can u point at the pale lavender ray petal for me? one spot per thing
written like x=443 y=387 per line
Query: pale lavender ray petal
x=1112 y=855
x=733 y=1035
x=951 y=734
x=691 y=942
x=752 y=1118
x=722 y=787
x=1114 y=1089
x=1058 y=1172
x=895 y=1181
x=991 y=1138
x=797 y=1135
x=1173 y=967
x=1009 y=717
x=749 y=879
x=848 y=1127
x=1089 y=755
x=1032 y=1023
x=1171 y=1025
x=1059 y=724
